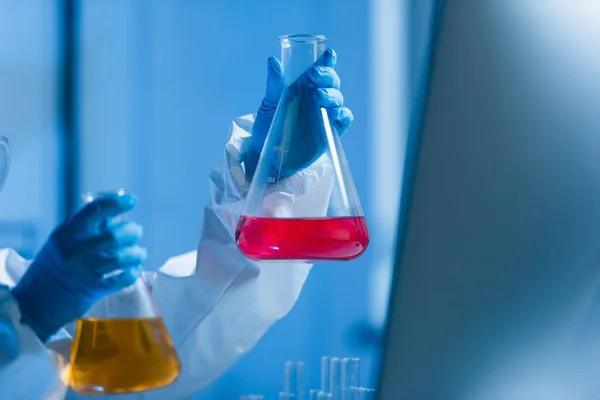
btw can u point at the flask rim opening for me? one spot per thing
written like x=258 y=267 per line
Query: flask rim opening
x=90 y=196
x=305 y=38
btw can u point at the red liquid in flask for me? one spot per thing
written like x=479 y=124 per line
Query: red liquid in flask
x=344 y=238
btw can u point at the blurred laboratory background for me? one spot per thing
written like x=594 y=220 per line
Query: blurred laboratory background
x=140 y=95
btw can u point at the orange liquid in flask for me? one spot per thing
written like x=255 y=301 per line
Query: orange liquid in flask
x=122 y=356
x=327 y=239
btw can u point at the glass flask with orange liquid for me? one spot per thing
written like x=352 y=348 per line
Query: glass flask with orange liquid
x=301 y=134
x=121 y=345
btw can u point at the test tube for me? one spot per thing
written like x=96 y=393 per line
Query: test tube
x=350 y=376
x=324 y=396
x=334 y=378
x=359 y=393
x=325 y=361
x=313 y=394
x=287 y=396
x=293 y=380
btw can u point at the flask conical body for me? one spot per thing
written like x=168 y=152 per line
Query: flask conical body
x=302 y=203
x=122 y=345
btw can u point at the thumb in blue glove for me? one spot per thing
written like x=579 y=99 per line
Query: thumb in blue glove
x=317 y=88
x=73 y=269
x=266 y=111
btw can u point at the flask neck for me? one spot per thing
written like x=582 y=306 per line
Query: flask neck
x=298 y=53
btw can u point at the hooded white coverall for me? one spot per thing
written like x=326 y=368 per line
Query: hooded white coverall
x=215 y=302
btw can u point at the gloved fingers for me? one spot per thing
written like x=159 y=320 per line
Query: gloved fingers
x=342 y=118
x=274 y=87
x=329 y=97
x=324 y=77
x=121 y=234
x=97 y=211
x=327 y=59
x=126 y=278
x=93 y=265
x=118 y=258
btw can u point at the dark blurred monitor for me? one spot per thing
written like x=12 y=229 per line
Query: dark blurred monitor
x=496 y=288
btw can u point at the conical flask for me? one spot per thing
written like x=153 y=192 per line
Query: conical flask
x=4 y=160
x=302 y=204
x=121 y=345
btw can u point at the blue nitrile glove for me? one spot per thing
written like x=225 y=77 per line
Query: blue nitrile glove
x=67 y=276
x=9 y=344
x=317 y=87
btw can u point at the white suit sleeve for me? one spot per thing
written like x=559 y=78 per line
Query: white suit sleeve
x=217 y=303
x=28 y=370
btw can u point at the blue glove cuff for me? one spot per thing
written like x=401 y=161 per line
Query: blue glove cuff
x=26 y=298
x=35 y=294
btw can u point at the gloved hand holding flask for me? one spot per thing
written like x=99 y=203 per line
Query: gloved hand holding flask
x=319 y=86
x=297 y=136
x=69 y=274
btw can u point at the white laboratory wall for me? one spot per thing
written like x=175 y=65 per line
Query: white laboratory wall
x=160 y=83
x=30 y=201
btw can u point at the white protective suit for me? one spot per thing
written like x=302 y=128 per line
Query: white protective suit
x=215 y=302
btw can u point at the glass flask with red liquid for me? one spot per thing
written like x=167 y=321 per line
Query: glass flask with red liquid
x=302 y=203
